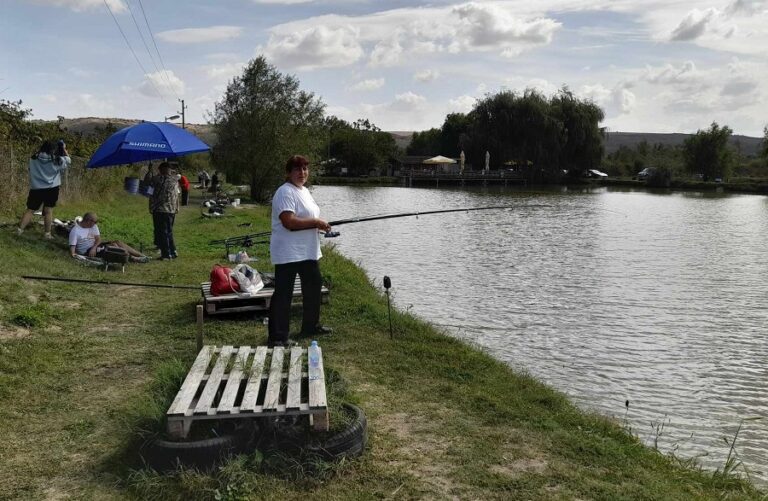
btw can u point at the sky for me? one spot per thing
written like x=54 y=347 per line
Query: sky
x=652 y=65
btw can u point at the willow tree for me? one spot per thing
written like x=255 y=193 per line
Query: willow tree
x=262 y=119
x=707 y=152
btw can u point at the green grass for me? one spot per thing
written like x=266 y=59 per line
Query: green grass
x=87 y=372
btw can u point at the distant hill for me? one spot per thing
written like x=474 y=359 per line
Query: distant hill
x=87 y=125
x=750 y=146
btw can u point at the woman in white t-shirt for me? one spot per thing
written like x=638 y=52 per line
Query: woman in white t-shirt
x=295 y=248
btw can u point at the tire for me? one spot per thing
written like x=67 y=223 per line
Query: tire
x=166 y=455
x=349 y=442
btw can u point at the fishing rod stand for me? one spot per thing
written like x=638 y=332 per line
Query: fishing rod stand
x=387 y=285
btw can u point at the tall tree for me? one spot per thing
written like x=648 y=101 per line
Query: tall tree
x=362 y=146
x=583 y=146
x=424 y=143
x=707 y=152
x=764 y=145
x=263 y=119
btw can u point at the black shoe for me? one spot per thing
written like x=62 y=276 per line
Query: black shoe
x=319 y=330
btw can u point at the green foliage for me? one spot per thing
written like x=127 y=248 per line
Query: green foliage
x=708 y=153
x=425 y=143
x=361 y=147
x=764 y=145
x=454 y=134
x=262 y=119
x=20 y=137
x=32 y=316
x=627 y=162
x=544 y=135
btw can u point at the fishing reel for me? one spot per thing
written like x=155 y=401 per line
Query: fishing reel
x=331 y=234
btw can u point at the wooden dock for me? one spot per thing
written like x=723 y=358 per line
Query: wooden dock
x=246 y=382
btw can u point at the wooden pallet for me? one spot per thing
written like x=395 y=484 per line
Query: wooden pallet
x=246 y=382
x=235 y=303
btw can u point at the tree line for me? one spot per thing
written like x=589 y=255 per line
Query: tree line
x=542 y=137
x=264 y=117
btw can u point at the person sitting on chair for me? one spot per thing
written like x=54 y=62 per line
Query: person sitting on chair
x=85 y=240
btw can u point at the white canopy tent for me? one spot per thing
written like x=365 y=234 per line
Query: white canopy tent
x=441 y=163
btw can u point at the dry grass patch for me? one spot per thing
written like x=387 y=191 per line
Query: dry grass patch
x=8 y=332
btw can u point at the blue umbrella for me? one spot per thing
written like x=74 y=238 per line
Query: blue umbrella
x=146 y=141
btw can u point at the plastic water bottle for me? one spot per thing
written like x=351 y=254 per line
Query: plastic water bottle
x=314 y=361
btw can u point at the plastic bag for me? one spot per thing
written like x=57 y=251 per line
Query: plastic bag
x=247 y=278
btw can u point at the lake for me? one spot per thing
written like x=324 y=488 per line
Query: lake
x=608 y=295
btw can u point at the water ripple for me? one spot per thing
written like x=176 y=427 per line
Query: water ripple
x=607 y=295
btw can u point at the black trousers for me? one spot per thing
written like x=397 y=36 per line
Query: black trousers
x=280 y=307
x=163 y=222
x=184 y=197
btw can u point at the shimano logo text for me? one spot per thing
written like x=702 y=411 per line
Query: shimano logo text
x=148 y=145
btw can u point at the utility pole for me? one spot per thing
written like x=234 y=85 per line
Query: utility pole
x=183 y=109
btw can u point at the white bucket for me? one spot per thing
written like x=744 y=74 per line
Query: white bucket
x=236 y=202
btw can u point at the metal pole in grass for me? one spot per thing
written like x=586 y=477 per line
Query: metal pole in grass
x=199 y=315
x=387 y=285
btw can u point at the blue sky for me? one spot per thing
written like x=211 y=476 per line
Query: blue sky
x=653 y=65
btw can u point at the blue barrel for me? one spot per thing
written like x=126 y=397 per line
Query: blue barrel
x=132 y=185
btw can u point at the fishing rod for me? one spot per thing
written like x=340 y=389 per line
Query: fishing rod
x=103 y=282
x=244 y=238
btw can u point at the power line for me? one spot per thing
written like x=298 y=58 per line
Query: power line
x=134 y=53
x=146 y=47
x=149 y=29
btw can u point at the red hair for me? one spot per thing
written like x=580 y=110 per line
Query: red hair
x=296 y=161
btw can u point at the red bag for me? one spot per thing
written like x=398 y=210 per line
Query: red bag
x=222 y=281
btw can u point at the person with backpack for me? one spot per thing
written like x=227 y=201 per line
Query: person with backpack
x=45 y=168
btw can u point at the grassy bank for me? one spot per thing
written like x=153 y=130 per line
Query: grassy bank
x=86 y=372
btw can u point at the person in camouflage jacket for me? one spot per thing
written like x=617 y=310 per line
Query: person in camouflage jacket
x=164 y=204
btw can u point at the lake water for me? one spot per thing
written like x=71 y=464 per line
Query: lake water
x=608 y=295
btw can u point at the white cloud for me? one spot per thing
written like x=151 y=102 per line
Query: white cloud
x=370 y=84
x=282 y=2
x=407 y=101
x=694 y=25
x=117 y=6
x=90 y=105
x=201 y=35
x=388 y=52
x=167 y=84
x=668 y=74
x=227 y=70
x=318 y=47
x=426 y=75
x=488 y=26
x=50 y=98
x=461 y=104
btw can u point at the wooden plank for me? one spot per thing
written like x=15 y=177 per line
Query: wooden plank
x=293 y=399
x=233 y=382
x=236 y=309
x=317 y=398
x=212 y=386
x=253 y=385
x=191 y=383
x=272 y=397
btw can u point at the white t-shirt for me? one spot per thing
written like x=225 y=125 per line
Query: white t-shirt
x=83 y=238
x=288 y=246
